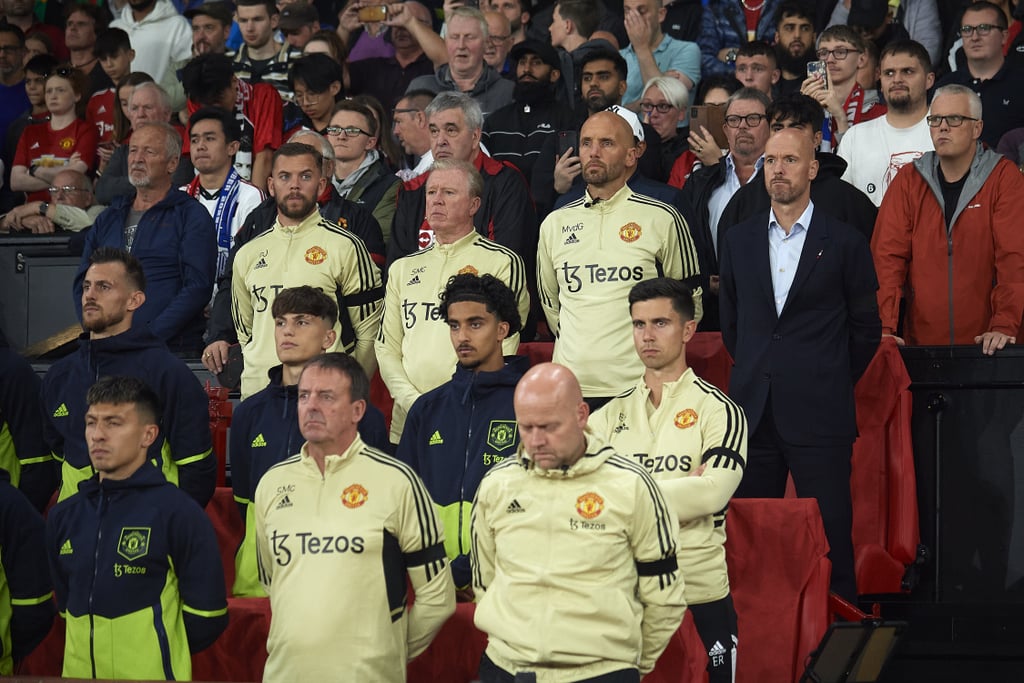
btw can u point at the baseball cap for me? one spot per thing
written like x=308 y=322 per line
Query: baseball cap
x=297 y=15
x=543 y=50
x=632 y=119
x=221 y=10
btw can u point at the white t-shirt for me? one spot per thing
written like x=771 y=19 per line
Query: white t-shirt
x=874 y=151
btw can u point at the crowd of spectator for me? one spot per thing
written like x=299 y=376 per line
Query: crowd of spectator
x=257 y=184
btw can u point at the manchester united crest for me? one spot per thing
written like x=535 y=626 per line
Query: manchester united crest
x=468 y=269
x=315 y=256
x=686 y=418
x=630 y=232
x=501 y=434
x=133 y=542
x=354 y=496
x=66 y=144
x=589 y=505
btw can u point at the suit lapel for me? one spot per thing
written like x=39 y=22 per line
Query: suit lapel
x=762 y=263
x=815 y=245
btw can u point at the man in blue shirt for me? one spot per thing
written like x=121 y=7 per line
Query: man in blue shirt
x=651 y=53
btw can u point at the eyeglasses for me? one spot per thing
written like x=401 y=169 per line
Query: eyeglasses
x=66 y=189
x=840 y=53
x=952 y=120
x=753 y=120
x=347 y=131
x=307 y=98
x=498 y=39
x=982 y=29
x=662 y=107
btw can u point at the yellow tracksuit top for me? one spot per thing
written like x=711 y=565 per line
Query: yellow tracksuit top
x=414 y=347
x=334 y=550
x=696 y=423
x=589 y=256
x=575 y=570
x=317 y=253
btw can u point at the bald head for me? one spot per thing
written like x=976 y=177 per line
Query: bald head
x=608 y=153
x=551 y=415
x=789 y=167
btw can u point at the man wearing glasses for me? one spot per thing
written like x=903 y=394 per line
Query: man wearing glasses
x=967 y=277
x=705 y=195
x=845 y=101
x=71 y=207
x=996 y=81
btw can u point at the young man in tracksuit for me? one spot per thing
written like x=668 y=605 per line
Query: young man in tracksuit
x=692 y=440
x=113 y=289
x=454 y=434
x=135 y=563
x=265 y=426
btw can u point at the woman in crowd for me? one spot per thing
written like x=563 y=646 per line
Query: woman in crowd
x=66 y=141
x=663 y=105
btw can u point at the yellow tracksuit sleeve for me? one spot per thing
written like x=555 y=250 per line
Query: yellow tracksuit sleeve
x=547 y=283
x=242 y=311
x=389 y=344
x=359 y=283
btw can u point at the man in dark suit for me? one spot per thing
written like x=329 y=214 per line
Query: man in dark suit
x=799 y=317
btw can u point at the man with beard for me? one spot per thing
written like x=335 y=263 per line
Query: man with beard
x=705 y=195
x=112 y=295
x=794 y=43
x=211 y=26
x=159 y=35
x=386 y=78
x=594 y=249
x=798 y=292
x=517 y=132
x=302 y=248
x=13 y=99
x=20 y=14
x=172 y=235
x=518 y=14
x=875 y=150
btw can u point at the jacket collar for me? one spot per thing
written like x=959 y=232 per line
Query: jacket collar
x=597 y=451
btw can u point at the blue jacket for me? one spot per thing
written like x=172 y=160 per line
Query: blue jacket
x=724 y=25
x=264 y=432
x=453 y=435
x=184 y=453
x=26 y=595
x=177 y=245
x=24 y=455
x=138 y=576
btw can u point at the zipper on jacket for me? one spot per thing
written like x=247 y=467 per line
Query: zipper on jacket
x=465 y=464
x=92 y=585
x=949 y=283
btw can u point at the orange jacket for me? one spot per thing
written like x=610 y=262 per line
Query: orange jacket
x=961 y=281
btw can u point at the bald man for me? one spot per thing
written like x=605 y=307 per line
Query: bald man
x=72 y=207
x=565 y=489
x=800 y=318
x=593 y=250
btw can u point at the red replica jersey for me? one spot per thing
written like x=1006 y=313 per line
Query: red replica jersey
x=41 y=145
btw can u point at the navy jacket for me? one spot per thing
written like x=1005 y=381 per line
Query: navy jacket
x=453 y=435
x=113 y=550
x=806 y=360
x=24 y=455
x=177 y=245
x=265 y=431
x=185 y=451
x=27 y=608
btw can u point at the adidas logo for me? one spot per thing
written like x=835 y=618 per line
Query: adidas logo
x=35 y=145
x=514 y=506
x=101 y=110
x=717 y=650
x=287 y=503
x=262 y=263
x=259 y=441
x=62 y=411
x=414 y=281
x=435 y=439
x=66 y=548
x=572 y=239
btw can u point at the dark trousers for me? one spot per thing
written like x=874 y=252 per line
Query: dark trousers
x=491 y=673
x=821 y=472
x=716 y=626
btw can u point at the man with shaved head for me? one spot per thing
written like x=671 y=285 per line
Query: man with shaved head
x=594 y=249
x=564 y=488
x=800 y=318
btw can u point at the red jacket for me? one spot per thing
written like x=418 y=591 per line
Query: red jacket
x=959 y=282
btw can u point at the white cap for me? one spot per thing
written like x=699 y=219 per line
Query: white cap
x=632 y=119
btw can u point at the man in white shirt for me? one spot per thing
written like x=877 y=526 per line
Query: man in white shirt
x=875 y=150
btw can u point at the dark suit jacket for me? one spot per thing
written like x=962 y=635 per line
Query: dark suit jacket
x=810 y=356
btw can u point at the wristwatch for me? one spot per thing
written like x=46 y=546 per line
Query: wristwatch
x=730 y=56
x=43 y=208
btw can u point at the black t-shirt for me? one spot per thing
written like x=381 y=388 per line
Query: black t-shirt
x=951 y=194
